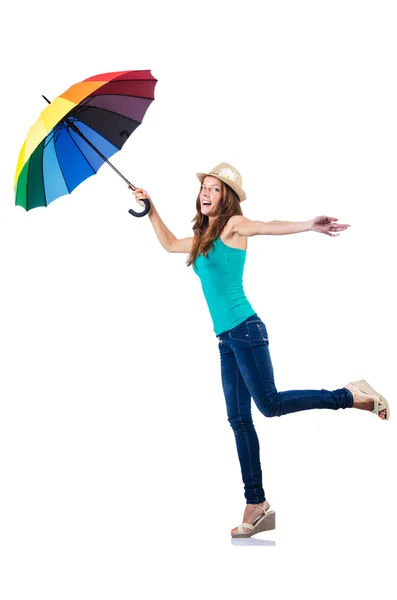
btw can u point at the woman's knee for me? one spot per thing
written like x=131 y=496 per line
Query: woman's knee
x=240 y=424
x=270 y=410
x=269 y=402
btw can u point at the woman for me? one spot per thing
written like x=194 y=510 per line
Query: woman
x=217 y=252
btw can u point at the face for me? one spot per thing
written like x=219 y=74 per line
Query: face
x=210 y=195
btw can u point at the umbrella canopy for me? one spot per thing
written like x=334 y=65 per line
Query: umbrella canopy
x=78 y=132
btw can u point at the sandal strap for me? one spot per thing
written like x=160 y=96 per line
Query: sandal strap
x=247 y=525
x=379 y=405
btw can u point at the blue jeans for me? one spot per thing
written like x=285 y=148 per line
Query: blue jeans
x=247 y=372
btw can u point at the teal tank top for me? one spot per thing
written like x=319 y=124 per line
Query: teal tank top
x=221 y=275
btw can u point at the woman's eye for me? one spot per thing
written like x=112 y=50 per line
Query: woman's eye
x=212 y=189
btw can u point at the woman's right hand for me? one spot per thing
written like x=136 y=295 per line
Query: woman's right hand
x=141 y=195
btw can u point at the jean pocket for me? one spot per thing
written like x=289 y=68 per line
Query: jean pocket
x=258 y=334
x=263 y=332
x=240 y=333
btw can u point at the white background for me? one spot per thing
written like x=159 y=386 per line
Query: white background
x=118 y=467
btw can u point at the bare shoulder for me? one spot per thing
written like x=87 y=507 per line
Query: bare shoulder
x=236 y=220
x=230 y=237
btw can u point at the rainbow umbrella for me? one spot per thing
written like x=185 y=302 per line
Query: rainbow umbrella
x=78 y=132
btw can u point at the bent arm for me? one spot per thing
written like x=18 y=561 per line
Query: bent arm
x=244 y=226
x=166 y=238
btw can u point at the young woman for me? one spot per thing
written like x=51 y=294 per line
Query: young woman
x=217 y=252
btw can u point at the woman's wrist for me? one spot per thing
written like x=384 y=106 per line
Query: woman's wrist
x=309 y=225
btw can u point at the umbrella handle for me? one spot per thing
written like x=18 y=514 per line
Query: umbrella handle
x=143 y=213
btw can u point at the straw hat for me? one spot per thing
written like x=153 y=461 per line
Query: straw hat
x=228 y=175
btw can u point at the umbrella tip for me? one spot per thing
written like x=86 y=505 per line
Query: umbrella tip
x=46 y=99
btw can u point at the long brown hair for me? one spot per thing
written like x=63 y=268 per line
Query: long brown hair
x=204 y=233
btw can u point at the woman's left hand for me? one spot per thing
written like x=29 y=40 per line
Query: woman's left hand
x=327 y=225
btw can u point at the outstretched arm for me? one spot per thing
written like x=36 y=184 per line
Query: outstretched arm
x=323 y=224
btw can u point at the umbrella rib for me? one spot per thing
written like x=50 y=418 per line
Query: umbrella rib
x=81 y=134
x=58 y=131
x=125 y=81
x=53 y=135
x=73 y=126
x=115 y=80
x=42 y=174
x=84 y=102
x=48 y=138
x=79 y=149
x=27 y=183
x=60 y=166
x=112 y=113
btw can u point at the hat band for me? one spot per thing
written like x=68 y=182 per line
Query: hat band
x=227 y=173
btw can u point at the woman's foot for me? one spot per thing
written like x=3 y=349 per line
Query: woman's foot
x=363 y=401
x=252 y=512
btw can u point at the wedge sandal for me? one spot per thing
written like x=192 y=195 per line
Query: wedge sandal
x=264 y=522
x=380 y=402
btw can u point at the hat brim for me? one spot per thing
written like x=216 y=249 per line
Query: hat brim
x=235 y=187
